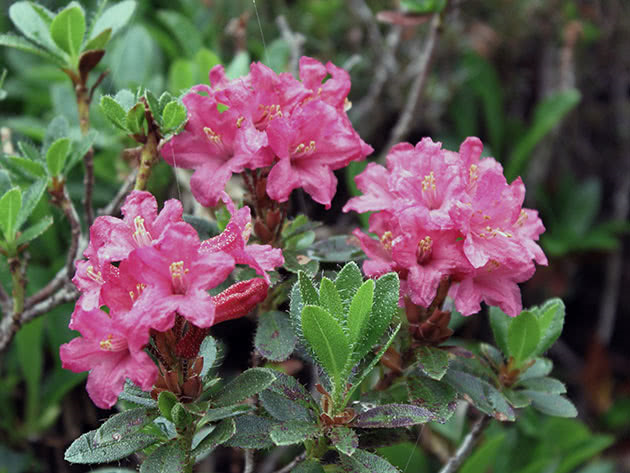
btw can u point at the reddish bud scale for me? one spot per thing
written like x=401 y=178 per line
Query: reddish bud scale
x=239 y=299
x=188 y=346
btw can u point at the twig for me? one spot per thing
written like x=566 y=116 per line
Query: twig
x=114 y=205
x=249 y=461
x=295 y=42
x=466 y=447
x=75 y=228
x=404 y=122
x=287 y=468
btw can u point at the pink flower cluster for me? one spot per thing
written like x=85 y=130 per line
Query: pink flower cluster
x=299 y=128
x=442 y=214
x=140 y=272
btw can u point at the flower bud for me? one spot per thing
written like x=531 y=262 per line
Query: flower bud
x=239 y=299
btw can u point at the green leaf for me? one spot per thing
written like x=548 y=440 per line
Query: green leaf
x=26 y=18
x=360 y=310
x=68 y=28
x=292 y=432
x=30 y=198
x=174 y=116
x=386 y=294
x=114 y=18
x=544 y=384
x=275 y=339
x=135 y=119
x=308 y=466
x=500 y=322
x=29 y=342
x=550 y=321
x=114 y=112
x=166 y=401
x=329 y=299
x=295 y=262
x=484 y=456
x=307 y=290
x=436 y=397
x=252 y=432
x=547 y=115
x=239 y=65
x=20 y=43
x=334 y=249
x=348 y=282
x=523 y=336
x=392 y=416
x=327 y=340
x=551 y=404
x=5 y=182
x=365 y=462
x=208 y=351
x=99 y=41
x=35 y=230
x=345 y=440
x=223 y=432
x=154 y=105
x=34 y=168
x=167 y=458
x=541 y=367
x=56 y=156
x=10 y=205
x=433 y=361
x=186 y=33
x=220 y=413
x=422 y=7
x=134 y=394
x=117 y=438
x=286 y=399
x=248 y=383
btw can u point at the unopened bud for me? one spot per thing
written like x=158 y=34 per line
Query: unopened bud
x=239 y=299
x=188 y=346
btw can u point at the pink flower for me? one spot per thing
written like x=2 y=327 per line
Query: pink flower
x=176 y=278
x=233 y=241
x=310 y=144
x=104 y=350
x=215 y=144
x=334 y=91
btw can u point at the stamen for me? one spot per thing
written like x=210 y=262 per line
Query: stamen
x=95 y=276
x=302 y=148
x=140 y=235
x=247 y=231
x=424 y=250
x=239 y=122
x=429 y=190
x=112 y=343
x=386 y=240
x=211 y=135
x=177 y=276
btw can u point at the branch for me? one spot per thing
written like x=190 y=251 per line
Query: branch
x=404 y=122
x=466 y=447
x=75 y=227
x=249 y=461
x=114 y=205
x=287 y=468
x=295 y=42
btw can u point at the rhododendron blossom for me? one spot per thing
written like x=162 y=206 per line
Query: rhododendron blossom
x=297 y=131
x=449 y=216
x=143 y=273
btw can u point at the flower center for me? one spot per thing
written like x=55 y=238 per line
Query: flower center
x=140 y=235
x=424 y=250
x=247 y=231
x=113 y=343
x=177 y=277
x=429 y=191
x=303 y=149
x=267 y=113
x=139 y=288
x=212 y=136
x=386 y=240
x=94 y=275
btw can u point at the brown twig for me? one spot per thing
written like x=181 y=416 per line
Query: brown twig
x=287 y=468
x=466 y=447
x=249 y=461
x=404 y=122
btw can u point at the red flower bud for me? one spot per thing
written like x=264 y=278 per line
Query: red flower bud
x=239 y=299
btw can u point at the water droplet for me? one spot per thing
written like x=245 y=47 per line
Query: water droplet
x=116 y=436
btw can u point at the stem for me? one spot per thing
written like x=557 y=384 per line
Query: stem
x=466 y=447
x=83 y=106
x=148 y=158
x=249 y=461
x=75 y=226
x=189 y=462
x=17 y=277
x=287 y=468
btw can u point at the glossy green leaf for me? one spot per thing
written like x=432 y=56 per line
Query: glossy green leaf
x=30 y=197
x=56 y=156
x=293 y=431
x=35 y=230
x=99 y=41
x=68 y=28
x=223 y=432
x=167 y=458
x=544 y=384
x=135 y=119
x=437 y=398
x=327 y=340
x=114 y=112
x=248 y=383
x=173 y=116
x=360 y=310
x=252 y=432
x=344 y=439
x=551 y=404
x=166 y=401
x=392 y=416
x=330 y=300
x=114 y=18
x=10 y=205
x=499 y=322
x=208 y=351
x=433 y=361
x=550 y=320
x=547 y=115
x=275 y=339
x=33 y=168
x=220 y=413
x=365 y=462
x=516 y=398
x=541 y=367
x=523 y=336
x=286 y=399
